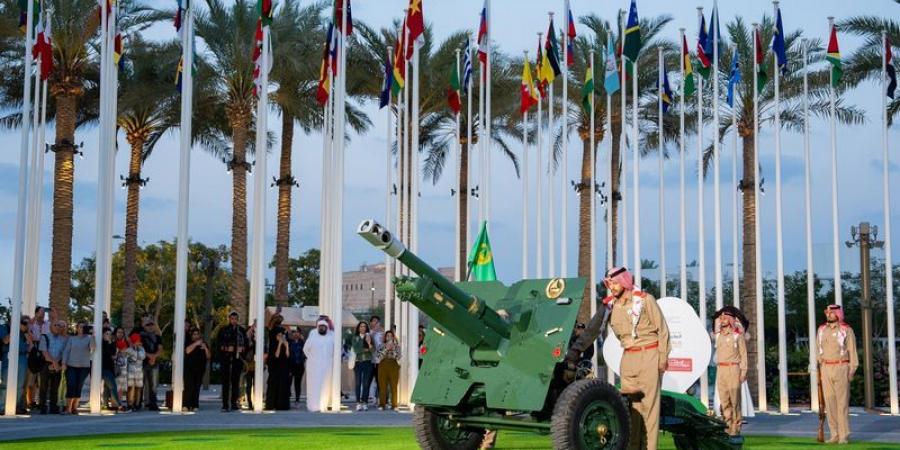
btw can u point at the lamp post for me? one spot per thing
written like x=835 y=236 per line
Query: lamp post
x=372 y=289
x=866 y=237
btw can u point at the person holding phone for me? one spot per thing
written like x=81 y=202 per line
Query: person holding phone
x=363 y=347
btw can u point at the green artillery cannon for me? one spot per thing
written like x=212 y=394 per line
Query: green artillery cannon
x=499 y=357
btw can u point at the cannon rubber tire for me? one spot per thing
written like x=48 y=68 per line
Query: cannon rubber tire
x=584 y=397
x=430 y=436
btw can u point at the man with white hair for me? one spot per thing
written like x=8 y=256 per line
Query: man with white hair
x=319 y=351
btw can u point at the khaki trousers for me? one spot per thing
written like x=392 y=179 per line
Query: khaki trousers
x=836 y=387
x=388 y=377
x=640 y=371
x=728 y=384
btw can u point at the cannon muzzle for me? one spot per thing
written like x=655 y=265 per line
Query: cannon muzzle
x=381 y=238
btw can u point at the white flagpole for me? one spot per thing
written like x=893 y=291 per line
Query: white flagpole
x=888 y=265
x=717 y=197
x=835 y=234
x=21 y=213
x=398 y=215
x=701 y=216
x=525 y=181
x=735 y=198
x=406 y=217
x=551 y=216
x=682 y=220
x=564 y=170
x=412 y=333
x=539 y=242
x=388 y=261
x=469 y=147
x=635 y=173
x=457 y=268
x=662 y=205
x=592 y=279
x=760 y=326
x=35 y=180
x=609 y=188
x=779 y=249
x=482 y=215
x=184 y=185
x=487 y=121
x=623 y=180
x=810 y=274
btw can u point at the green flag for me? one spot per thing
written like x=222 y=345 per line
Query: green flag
x=834 y=57
x=632 y=34
x=587 y=91
x=481 y=259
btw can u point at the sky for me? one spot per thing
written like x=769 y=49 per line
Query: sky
x=515 y=24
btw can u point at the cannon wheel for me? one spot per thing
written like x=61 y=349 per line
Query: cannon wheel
x=436 y=432
x=582 y=412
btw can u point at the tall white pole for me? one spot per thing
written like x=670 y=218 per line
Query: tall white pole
x=810 y=274
x=835 y=233
x=623 y=181
x=682 y=219
x=35 y=180
x=635 y=174
x=488 y=142
x=19 y=263
x=564 y=170
x=592 y=279
x=388 y=261
x=398 y=215
x=735 y=198
x=525 y=186
x=760 y=326
x=412 y=333
x=539 y=225
x=609 y=187
x=779 y=249
x=469 y=147
x=662 y=203
x=457 y=268
x=701 y=220
x=482 y=213
x=184 y=185
x=888 y=265
x=406 y=217
x=717 y=196
x=551 y=206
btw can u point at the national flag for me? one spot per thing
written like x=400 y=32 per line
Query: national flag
x=43 y=47
x=715 y=32
x=257 y=54
x=385 y=97
x=551 y=54
x=528 y=92
x=761 y=77
x=632 y=34
x=570 y=37
x=611 y=79
x=483 y=35
x=666 y=93
x=179 y=71
x=834 y=57
x=481 y=259
x=100 y=3
x=338 y=15
x=264 y=10
x=118 y=51
x=587 y=90
x=178 y=13
x=734 y=77
x=889 y=66
x=687 y=85
x=539 y=71
x=702 y=45
x=467 y=66
x=778 y=45
x=415 y=23
x=400 y=61
x=453 y=91
x=324 y=88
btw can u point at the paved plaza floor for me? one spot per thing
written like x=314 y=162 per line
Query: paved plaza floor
x=866 y=426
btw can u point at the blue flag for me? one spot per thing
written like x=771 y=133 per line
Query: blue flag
x=734 y=78
x=388 y=82
x=611 y=79
x=778 y=45
x=666 y=93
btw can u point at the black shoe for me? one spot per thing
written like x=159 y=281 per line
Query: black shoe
x=153 y=408
x=54 y=411
x=43 y=411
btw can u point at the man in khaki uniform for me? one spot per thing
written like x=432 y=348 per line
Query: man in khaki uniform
x=838 y=362
x=639 y=325
x=731 y=360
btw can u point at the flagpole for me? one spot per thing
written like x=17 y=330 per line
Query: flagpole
x=21 y=217
x=388 y=297
x=623 y=135
x=457 y=268
x=635 y=182
x=399 y=190
x=481 y=143
x=779 y=249
x=487 y=115
x=662 y=206
x=717 y=197
x=735 y=273
x=760 y=326
x=835 y=234
x=592 y=279
x=888 y=265
x=525 y=181
x=35 y=180
x=810 y=274
x=551 y=216
x=413 y=320
x=539 y=242
x=184 y=185
x=682 y=221
x=564 y=174
x=609 y=189
x=701 y=217
x=469 y=147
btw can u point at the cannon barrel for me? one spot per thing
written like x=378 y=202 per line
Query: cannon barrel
x=461 y=313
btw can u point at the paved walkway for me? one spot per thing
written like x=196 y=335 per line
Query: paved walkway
x=866 y=426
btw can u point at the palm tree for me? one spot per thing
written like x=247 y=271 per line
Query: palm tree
x=298 y=37
x=791 y=92
x=865 y=63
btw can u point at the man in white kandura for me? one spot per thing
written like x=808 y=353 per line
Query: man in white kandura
x=319 y=350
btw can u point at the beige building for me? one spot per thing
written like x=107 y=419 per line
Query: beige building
x=364 y=289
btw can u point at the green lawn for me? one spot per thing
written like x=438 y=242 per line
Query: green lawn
x=367 y=438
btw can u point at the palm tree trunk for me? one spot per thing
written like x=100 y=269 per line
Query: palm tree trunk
x=463 y=208
x=64 y=175
x=131 y=227
x=239 y=222
x=283 y=238
x=615 y=177
x=585 y=245
x=748 y=290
